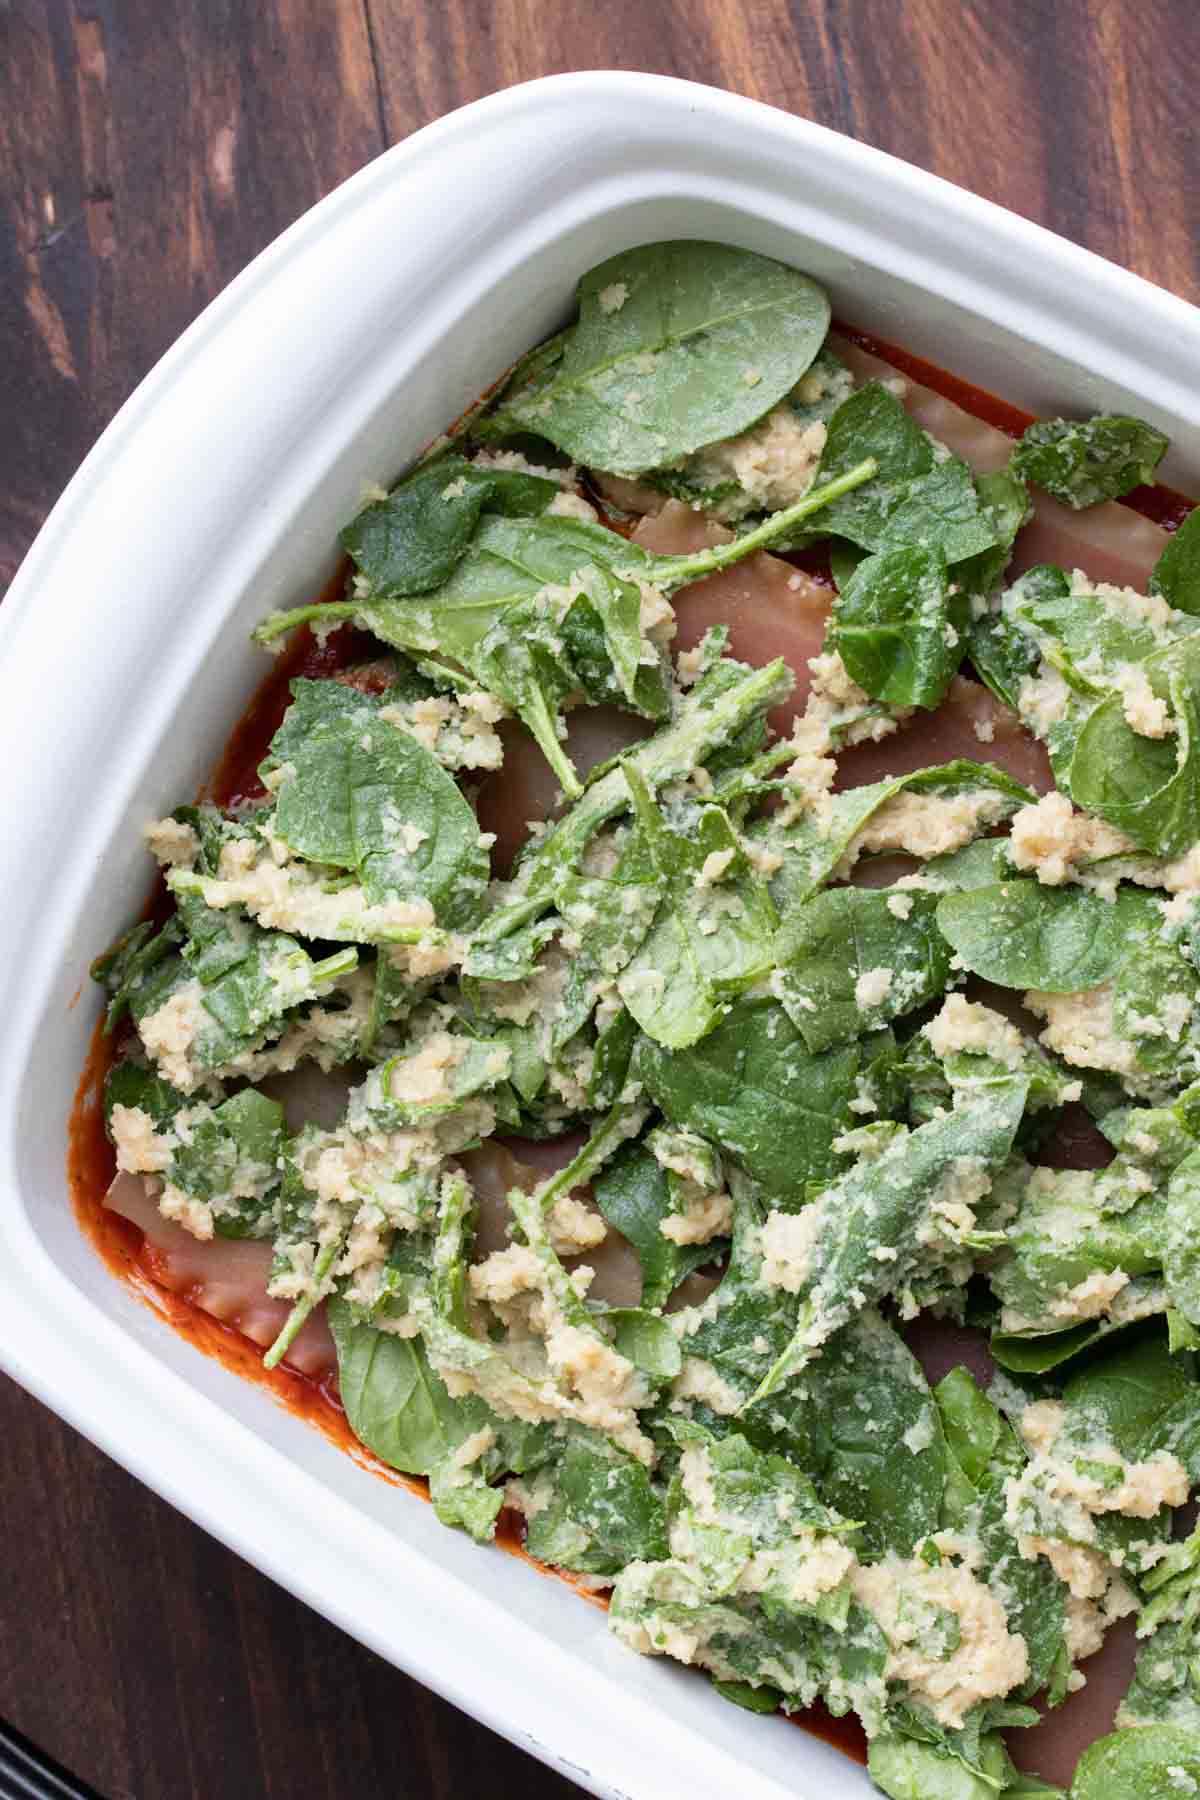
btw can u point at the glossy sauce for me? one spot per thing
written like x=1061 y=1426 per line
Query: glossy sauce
x=91 y=1163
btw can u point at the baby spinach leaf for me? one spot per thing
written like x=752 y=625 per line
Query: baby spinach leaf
x=1005 y=498
x=714 y=712
x=226 y=1157
x=1140 y=1399
x=1084 y=461
x=887 y=1202
x=360 y=795
x=647 y=1341
x=1147 y=787
x=710 y=940
x=411 y=541
x=677 y=345
x=605 y=1512
x=1176 y=574
x=872 y=1442
x=919 y=495
x=1181 y=1246
x=634 y=1196
x=906 y=1768
x=1022 y=934
x=1138 y=1764
x=544 y=565
x=891 y=624
x=747 y=1324
x=846 y=964
x=396 y=1404
x=463 y=1497
x=137 y=967
x=813 y=848
x=753 y=1087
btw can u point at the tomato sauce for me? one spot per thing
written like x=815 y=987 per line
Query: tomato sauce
x=91 y=1164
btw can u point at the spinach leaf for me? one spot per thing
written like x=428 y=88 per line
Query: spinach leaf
x=358 y=794
x=1181 y=1243
x=226 y=1158
x=396 y=1404
x=742 y=1329
x=891 y=624
x=605 y=1512
x=544 y=566
x=133 y=971
x=1147 y=787
x=713 y=713
x=890 y=1202
x=1176 y=574
x=1005 y=499
x=677 y=345
x=1084 y=461
x=634 y=1196
x=1141 y=1399
x=711 y=937
x=846 y=964
x=411 y=541
x=1021 y=934
x=868 y=1432
x=753 y=1087
x=812 y=848
x=919 y=495
x=1138 y=1764
x=908 y=1768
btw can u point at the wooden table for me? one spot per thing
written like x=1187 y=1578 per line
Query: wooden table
x=150 y=149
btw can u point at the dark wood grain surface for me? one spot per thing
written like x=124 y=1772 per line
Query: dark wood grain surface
x=148 y=149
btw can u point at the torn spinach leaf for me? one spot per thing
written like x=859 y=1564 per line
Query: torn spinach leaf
x=1152 y=1763
x=225 y=1160
x=634 y=1195
x=355 y=792
x=604 y=1513
x=872 y=1442
x=891 y=625
x=754 y=1088
x=1084 y=461
x=411 y=541
x=1176 y=574
x=920 y=495
x=676 y=346
x=1021 y=934
x=891 y=1202
x=847 y=964
x=711 y=936
x=544 y=566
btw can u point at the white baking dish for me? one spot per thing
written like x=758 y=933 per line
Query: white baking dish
x=124 y=660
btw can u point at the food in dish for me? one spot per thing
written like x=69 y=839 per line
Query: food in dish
x=753 y=852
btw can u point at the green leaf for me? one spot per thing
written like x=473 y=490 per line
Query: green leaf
x=711 y=715
x=915 y=498
x=605 y=1513
x=677 y=345
x=1147 y=787
x=1139 y=1764
x=711 y=938
x=133 y=971
x=885 y=1203
x=837 y=949
x=1181 y=1246
x=634 y=1196
x=1021 y=934
x=891 y=624
x=1176 y=574
x=646 y=1340
x=1084 y=461
x=753 y=1087
x=412 y=541
x=868 y=1432
x=359 y=794
x=395 y=1403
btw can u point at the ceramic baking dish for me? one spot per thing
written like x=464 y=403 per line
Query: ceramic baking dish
x=124 y=660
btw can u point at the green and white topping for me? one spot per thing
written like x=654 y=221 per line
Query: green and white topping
x=799 y=1113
